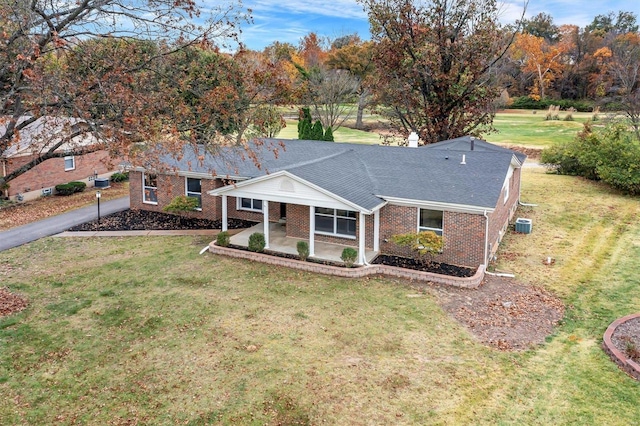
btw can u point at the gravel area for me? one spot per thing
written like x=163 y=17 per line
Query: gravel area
x=626 y=339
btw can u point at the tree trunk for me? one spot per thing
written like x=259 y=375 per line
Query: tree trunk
x=362 y=102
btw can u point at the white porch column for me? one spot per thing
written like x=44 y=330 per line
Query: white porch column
x=376 y=231
x=265 y=212
x=224 y=213
x=312 y=227
x=362 y=259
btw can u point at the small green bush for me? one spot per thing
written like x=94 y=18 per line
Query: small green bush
x=349 y=256
x=257 y=242
x=303 y=250
x=120 y=177
x=65 y=189
x=78 y=186
x=181 y=203
x=223 y=239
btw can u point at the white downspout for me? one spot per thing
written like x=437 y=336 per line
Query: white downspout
x=486 y=239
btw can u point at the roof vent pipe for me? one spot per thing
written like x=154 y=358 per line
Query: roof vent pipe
x=464 y=159
x=473 y=142
x=413 y=140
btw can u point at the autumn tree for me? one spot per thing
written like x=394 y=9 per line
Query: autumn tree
x=540 y=58
x=434 y=61
x=41 y=74
x=356 y=57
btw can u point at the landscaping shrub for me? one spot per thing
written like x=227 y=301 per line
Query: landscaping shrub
x=349 y=256
x=182 y=203
x=120 y=177
x=611 y=155
x=525 y=102
x=303 y=250
x=78 y=186
x=223 y=239
x=65 y=189
x=257 y=242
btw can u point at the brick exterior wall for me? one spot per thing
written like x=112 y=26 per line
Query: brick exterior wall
x=463 y=235
x=171 y=186
x=51 y=172
x=499 y=219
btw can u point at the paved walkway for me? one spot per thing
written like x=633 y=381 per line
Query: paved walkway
x=55 y=224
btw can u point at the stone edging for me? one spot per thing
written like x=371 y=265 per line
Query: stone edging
x=392 y=271
x=630 y=367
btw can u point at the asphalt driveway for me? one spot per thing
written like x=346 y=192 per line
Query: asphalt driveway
x=55 y=224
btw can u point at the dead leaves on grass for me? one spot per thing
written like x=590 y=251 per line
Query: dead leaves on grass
x=11 y=303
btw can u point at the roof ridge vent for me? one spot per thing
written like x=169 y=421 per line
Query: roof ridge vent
x=464 y=159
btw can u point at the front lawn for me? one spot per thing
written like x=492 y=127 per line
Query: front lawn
x=145 y=329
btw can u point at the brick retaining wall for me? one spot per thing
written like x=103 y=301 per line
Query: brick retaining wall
x=359 y=272
x=630 y=367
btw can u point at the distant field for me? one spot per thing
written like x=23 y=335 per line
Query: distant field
x=529 y=128
x=514 y=127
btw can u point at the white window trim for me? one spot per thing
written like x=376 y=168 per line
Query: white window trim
x=506 y=191
x=73 y=161
x=335 y=225
x=426 y=228
x=239 y=205
x=187 y=192
x=144 y=187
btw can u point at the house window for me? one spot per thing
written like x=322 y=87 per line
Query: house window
x=194 y=189
x=250 y=204
x=69 y=163
x=430 y=220
x=149 y=188
x=336 y=222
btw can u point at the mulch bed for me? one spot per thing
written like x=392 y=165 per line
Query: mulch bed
x=144 y=220
x=626 y=339
x=419 y=265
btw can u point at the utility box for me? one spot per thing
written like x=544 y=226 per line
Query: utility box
x=523 y=225
x=102 y=182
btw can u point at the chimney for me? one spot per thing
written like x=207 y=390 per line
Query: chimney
x=413 y=140
x=473 y=142
x=464 y=159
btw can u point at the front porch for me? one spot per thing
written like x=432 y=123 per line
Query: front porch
x=279 y=242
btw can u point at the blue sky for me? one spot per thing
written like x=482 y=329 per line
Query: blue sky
x=290 y=20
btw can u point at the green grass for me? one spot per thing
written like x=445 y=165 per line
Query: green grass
x=343 y=134
x=150 y=331
x=514 y=127
x=529 y=128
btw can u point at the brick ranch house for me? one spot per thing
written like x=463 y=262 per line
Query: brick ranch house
x=355 y=195
x=41 y=180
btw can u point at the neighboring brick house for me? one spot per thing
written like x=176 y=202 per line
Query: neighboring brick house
x=41 y=180
x=464 y=189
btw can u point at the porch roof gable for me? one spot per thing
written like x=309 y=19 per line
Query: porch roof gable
x=285 y=186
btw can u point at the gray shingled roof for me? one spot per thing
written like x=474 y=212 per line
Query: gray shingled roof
x=367 y=174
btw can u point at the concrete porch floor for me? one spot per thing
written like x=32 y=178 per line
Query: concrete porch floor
x=278 y=241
